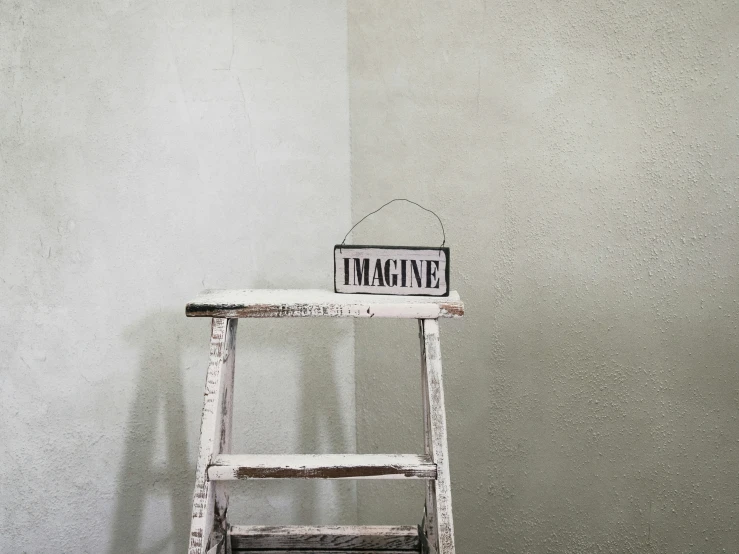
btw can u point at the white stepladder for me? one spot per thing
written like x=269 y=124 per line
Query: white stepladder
x=211 y=533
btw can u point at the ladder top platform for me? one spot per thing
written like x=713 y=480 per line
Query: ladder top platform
x=320 y=303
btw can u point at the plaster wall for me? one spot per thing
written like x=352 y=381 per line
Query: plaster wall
x=587 y=150
x=149 y=150
x=583 y=157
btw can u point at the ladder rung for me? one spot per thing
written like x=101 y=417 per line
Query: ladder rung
x=321 y=466
x=275 y=539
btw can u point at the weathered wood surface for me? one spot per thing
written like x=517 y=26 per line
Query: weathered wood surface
x=321 y=551
x=440 y=493
x=425 y=547
x=321 y=466
x=428 y=524
x=394 y=270
x=210 y=502
x=217 y=544
x=320 y=303
x=216 y=464
x=325 y=538
x=220 y=509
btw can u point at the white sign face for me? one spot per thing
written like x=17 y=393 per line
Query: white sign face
x=399 y=270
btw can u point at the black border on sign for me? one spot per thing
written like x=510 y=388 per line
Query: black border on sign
x=444 y=249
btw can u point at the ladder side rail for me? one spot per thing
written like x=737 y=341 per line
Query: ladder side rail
x=226 y=425
x=433 y=385
x=210 y=502
x=429 y=509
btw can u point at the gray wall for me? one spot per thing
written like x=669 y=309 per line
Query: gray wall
x=149 y=150
x=586 y=151
x=584 y=158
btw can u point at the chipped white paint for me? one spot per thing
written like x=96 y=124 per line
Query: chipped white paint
x=210 y=503
x=436 y=438
x=321 y=466
x=337 y=538
x=321 y=551
x=429 y=509
x=320 y=303
x=216 y=464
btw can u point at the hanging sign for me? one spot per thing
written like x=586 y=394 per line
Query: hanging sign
x=396 y=270
x=401 y=270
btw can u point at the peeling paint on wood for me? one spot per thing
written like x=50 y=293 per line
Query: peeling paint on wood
x=322 y=551
x=320 y=303
x=429 y=508
x=325 y=538
x=440 y=494
x=322 y=466
x=210 y=502
x=216 y=464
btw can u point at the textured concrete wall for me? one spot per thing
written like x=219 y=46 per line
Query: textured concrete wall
x=584 y=158
x=149 y=150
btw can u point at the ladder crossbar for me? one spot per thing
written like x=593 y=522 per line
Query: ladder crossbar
x=321 y=466
x=338 y=538
x=321 y=551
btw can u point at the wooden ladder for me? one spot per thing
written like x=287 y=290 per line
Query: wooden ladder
x=211 y=532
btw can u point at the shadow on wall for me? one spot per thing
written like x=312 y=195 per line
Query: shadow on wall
x=161 y=338
x=158 y=410
x=290 y=397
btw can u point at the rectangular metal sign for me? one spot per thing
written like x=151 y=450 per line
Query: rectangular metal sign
x=399 y=270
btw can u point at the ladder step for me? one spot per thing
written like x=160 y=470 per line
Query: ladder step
x=320 y=303
x=348 y=538
x=227 y=467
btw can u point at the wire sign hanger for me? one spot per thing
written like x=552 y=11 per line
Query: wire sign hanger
x=395 y=270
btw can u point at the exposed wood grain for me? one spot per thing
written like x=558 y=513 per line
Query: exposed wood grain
x=322 y=466
x=215 y=463
x=322 y=551
x=213 y=434
x=429 y=508
x=217 y=543
x=423 y=539
x=434 y=388
x=220 y=509
x=325 y=538
x=320 y=303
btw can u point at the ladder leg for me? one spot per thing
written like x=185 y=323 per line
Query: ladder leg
x=429 y=510
x=439 y=522
x=210 y=500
